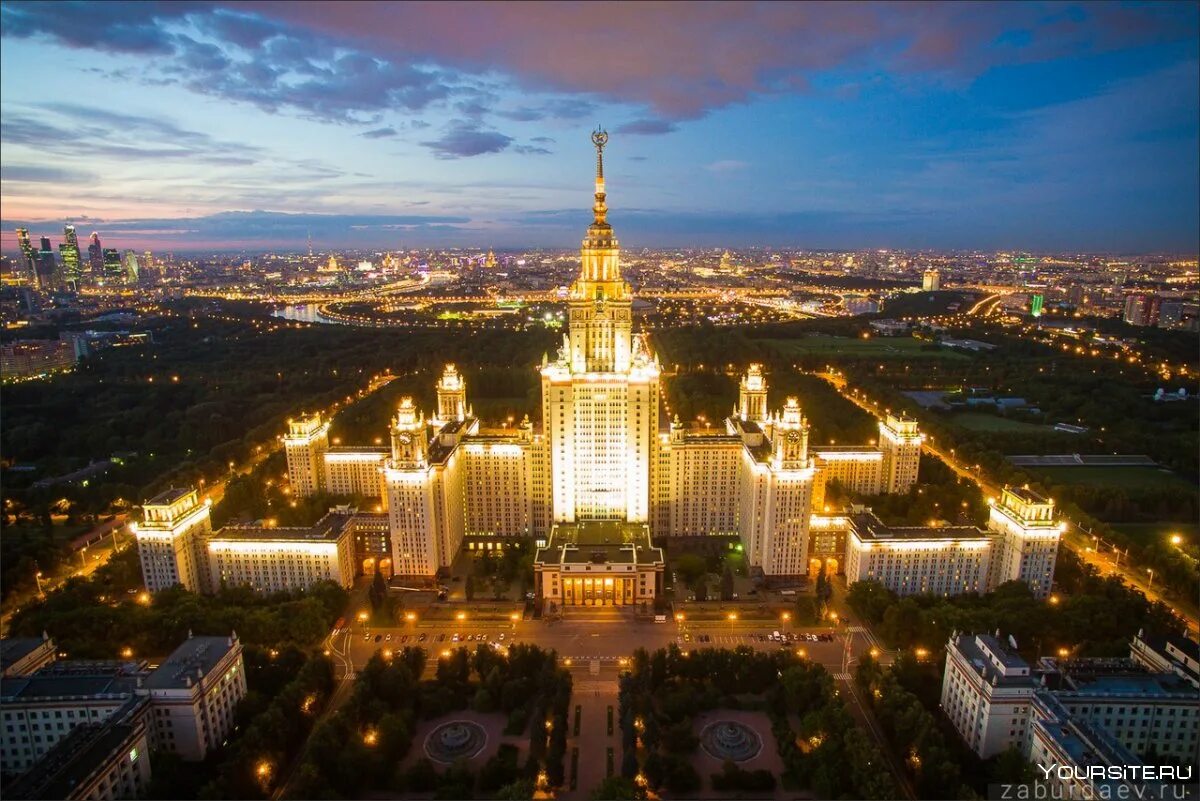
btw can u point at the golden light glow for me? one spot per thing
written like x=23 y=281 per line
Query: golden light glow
x=461 y=616
x=410 y=616
x=370 y=738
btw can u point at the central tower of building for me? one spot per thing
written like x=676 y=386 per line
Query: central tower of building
x=600 y=394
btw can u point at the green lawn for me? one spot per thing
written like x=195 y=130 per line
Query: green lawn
x=1124 y=477
x=975 y=421
x=875 y=347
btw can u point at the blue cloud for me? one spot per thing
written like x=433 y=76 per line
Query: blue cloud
x=463 y=140
x=647 y=127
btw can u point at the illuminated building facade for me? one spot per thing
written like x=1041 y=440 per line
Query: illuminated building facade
x=170 y=540
x=114 y=272
x=95 y=256
x=48 y=276
x=948 y=560
x=600 y=394
x=28 y=254
x=33 y=357
x=987 y=691
x=1019 y=544
x=1076 y=711
x=184 y=705
x=305 y=445
x=602 y=453
x=68 y=253
x=599 y=563
x=1026 y=539
x=270 y=559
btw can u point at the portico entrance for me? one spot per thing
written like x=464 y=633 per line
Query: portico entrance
x=598 y=591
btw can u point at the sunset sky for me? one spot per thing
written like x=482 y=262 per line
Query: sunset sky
x=199 y=125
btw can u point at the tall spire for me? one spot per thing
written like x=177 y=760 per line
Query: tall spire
x=599 y=209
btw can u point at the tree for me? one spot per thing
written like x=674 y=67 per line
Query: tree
x=378 y=592
x=618 y=788
x=824 y=588
x=691 y=569
x=727 y=584
x=520 y=790
x=629 y=764
x=469 y=588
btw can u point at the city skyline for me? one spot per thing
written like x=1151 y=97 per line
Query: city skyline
x=1012 y=126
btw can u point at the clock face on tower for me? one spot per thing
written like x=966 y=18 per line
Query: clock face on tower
x=406 y=439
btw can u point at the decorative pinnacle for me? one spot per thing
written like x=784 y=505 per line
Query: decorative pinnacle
x=599 y=139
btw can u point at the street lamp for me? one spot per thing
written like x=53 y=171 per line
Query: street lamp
x=1177 y=540
x=362 y=617
x=1150 y=570
x=38 y=578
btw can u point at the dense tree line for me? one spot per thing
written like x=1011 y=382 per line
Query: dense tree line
x=96 y=618
x=913 y=733
x=1093 y=615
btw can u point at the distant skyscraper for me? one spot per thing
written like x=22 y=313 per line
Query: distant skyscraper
x=96 y=257
x=113 y=272
x=1075 y=295
x=47 y=267
x=29 y=267
x=68 y=253
x=1036 y=304
x=1142 y=309
x=131 y=267
x=931 y=281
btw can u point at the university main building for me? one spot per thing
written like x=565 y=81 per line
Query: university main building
x=606 y=475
